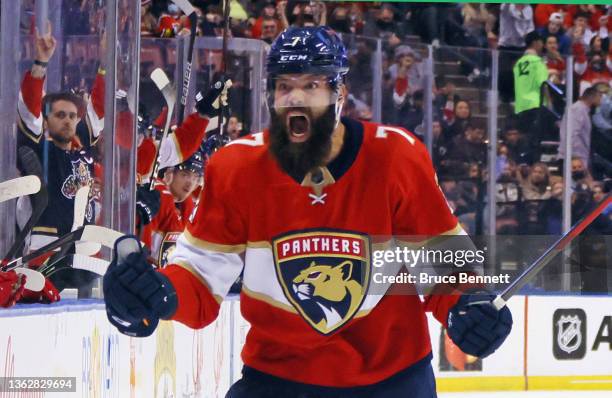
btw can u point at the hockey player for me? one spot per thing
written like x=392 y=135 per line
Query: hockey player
x=273 y=205
x=176 y=205
x=163 y=216
x=61 y=129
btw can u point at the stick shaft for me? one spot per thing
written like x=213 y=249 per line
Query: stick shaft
x=180 y=114
x=552 y=251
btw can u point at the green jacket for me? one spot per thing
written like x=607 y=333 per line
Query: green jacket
x=530 y=72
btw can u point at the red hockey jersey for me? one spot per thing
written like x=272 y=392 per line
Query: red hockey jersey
x=305 y=254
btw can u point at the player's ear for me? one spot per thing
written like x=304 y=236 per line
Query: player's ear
x=168 y=177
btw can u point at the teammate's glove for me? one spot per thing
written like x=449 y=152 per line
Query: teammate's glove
x=47 y=295
x=476 y=326
x=136 y=296
x=11 y=288
x=147 y=204
x=207 y=103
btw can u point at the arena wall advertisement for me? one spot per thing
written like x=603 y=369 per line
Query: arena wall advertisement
x=571 y=350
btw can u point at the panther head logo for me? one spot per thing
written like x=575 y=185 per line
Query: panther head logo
x=331 y=288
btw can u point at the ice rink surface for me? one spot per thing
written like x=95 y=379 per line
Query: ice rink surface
x=529 y=394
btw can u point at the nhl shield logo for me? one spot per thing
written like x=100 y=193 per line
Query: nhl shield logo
x=568 y=333
x=569 y=327
x=324 y=274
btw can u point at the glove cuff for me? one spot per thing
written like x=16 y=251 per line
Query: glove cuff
x=167 y=310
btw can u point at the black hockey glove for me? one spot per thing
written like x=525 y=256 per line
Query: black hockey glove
x=136 y=295
x=147 y=204
x=476 y=326
x=207 y=103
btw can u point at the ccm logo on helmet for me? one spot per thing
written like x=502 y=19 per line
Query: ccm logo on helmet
x=293 y=57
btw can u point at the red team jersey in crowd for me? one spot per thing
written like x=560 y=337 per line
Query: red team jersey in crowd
x=305 y=256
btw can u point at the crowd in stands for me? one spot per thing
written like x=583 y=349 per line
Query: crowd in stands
x=534 y=43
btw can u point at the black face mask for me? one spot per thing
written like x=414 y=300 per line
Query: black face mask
x=597 y=66
x=298 y=159
x=341 y=25
x=578 y=175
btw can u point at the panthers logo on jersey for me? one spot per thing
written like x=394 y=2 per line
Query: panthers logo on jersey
x=324 y=274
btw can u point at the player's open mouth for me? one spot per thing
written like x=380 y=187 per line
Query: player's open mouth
x=298 y=125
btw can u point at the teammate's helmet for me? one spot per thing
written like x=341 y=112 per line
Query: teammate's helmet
x=195 y=163
x=315 y=50
x=213 y=143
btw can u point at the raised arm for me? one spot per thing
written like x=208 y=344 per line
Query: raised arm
x=29 y=106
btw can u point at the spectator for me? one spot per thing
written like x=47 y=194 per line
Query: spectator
x=462 y=117
x=466 y=149
x=477 y=25
x=544 y=12
x=148 y=21
x=268 y=11
x=445 y=100
x=553 y=59
x=581 y=32
x=517 y=146
x=598 y=190
x=515 y=21
x=579 y=131
x=430 y=21
x=581 y=178
x=269 y=29
x=535 y=187
x=212 y=25
x=406 y=74
x=299 y=13
x=410 y=114
x=555 y=28
x=594 y=68
x=386 y=28
x=340 y=21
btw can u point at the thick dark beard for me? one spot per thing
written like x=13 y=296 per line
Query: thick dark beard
x=297 y=159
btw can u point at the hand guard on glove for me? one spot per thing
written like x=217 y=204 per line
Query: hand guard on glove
x=207 y=103
x=147 y=204
x=476 y=326
x=136 y=295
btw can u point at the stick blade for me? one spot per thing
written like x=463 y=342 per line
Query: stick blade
x=81 y=199
x=160 y=78
x=20 y=186
x=35 y=281
x=185 y=6
x=102 y=235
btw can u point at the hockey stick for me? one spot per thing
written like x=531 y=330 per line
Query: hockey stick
x=30 y=164
x=544 y=259
x=226 y=12
x=163 y=84
x=75 y=261
x=35 y=281
x=188 y=10
x=81 y=200
x=94 y=233
x=20 y=186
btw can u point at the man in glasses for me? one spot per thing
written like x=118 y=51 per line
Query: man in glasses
x=62 y=129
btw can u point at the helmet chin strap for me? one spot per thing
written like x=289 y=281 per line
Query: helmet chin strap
x=338 y=108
